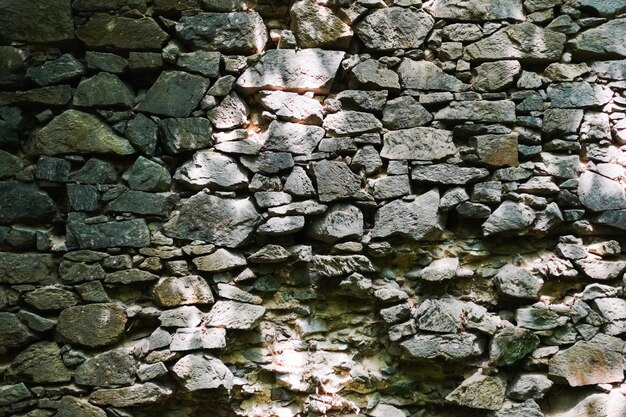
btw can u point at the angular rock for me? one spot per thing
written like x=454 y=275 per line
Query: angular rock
x=292 y=137
x=216 y=220
x=205 y=63
x=74 y=407
x=335 y=181
x=146 y=175
x=597 y=361
x=277 y=226
x=448 y=346
x=212 y=170
x=528 y=408
x=13 y=333
x=198 y=338
x=332 y=266
x=558 y=122
x=129 y=276
x=529 y=386
x=363 y=99
x=292 y=107
x=592 y=43
x=418 y=143
x=232 y=112
x=27 y=268
x=578 y=94
x=51 y=298
x=10 y=394
x=565 y=72
x=478 y=10
x=182 y=135
x=601 y=270
x=416 y=220
x=373 y=75
x=54 y=21
x=40 y=363
x=103 y=90
x=501 y=111
x=316 y=26
x=266 y=255
x=178 y=291
x=136 y=395
x=268 y=162
x=512 y=281
x=351 y=123
x=510 y=345
x=104 y=31
x=106 y=62
x=56 y=95
x=300 y=208
x=394 y=28
x=440 y=270
x=539 y=318
x=115 y=367
x=599 y=193
x=496 y=76
x=524 y=41
x=128 y=233
x=574 y=403
x=76 y=132
x=25 y=203
x=92 y=325
x=230 y=33
x=340 y=222
x=404 y=112
x=140 y=202
x=142 y=133
x=447 y=174
x=186 y=316
x=235 y=315
x=613 y=310
x=479 y=391
x=65 y=68
x=424 y=75
x=189 y=91
x=367 y=159
x=289 y=70
x=298 y=183
x=509 y=217
x=219 y=261
x=12 y=68
x=199 y=372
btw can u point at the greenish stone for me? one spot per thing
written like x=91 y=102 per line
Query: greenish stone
x=47 y=21
x=57 y=95
x=103 y=90
x=62 y=69
x=119 y=33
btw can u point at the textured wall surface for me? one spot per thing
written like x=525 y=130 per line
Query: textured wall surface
x=312 y=208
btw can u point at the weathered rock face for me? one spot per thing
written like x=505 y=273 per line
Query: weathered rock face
x=424 y=75
x=418 y=143
x=317 y=27
x=395 y=27
x=103 y=31
x=189 y=91
x=477 y=10
x=593 y=42
x=93 y=325
x=54 y=22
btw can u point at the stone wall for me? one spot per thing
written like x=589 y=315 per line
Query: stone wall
x=313 y=208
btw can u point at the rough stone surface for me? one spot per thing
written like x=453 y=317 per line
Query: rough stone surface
x=54 y=22
x=593 y=42
x=335 y=181
x=116 y=367
x=317 y=26
x=424 y=75
x=136 y=395
x=394 y=28
x=212 y=170
x=292 y=137
x=40 y=363
x=477 y=10
x=202 y=372
x=418 y=143
x=479 y=111
x=235 y=315
x=512 y=281
x=479 y=391
x=177 y=291
x=189 y=91
x=341 y=221
x=92 y=325
x=123 y=33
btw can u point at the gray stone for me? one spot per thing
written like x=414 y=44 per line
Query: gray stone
x=233 y=293
x=368 y=160
x=511 y=344
x=51 y=298
x=186 y=290
x=479 y=391
x=335 y=181
x=404 y=112
x=10 y=394
x=316 y=26
x=527 y=386
x=528 y=408
x=539 y=318
x=561 y=166
x=146 y=175
x=292 y=137
x=277 y=226
x=200 y=372
x=25 y=203
x=103 y=61
x=235 y=315
x=558 y=122
x=590 y=403
x=11 y=164
x=133 y=396
x=115 y=367
x=578 y=94
x=510 y=217
x=394 y=28
x=265 y=199
x=496 y=76
x=524 y=41
x=338 y=265
x=600 y=269
x=13 y=333
x=592 y=43
x=198 y=338
x=599 y=193
x=149 y=372
x=240 y=147
x=512 y=281
x=351 y=123
x=129 y=276
x=216 y=220
x=393 y=186
x=289 y=70
x=186 y=316
x=92 y=292
x=597 y=361
x=386 y=410
x=103 y=90
x=104 y=31
x=424 y=75
x=439 y=270
x=478 y=10
x=449 y=346
x=443 y=315
x=292 y=107
x=142 y=133
x=64 y=68
x=212 y=170
x=40 y=363
x=182 y=135
x=612 y=70
x=613 y=310
x=266 y=255
x=83 y=197
x=418 y=143
x=362 y=99
x=448 y=174
x=143 y=203
x=54 y=22
x=231 y=33
x=128 y=233
x=74 y=407
x=76 y=132
x=339 y=222
x=189 y=91
x=606 y=8
x=219 y=261
x=232 y=112
x=565 y=72
x=205 y=63
x=300 y=208
x=56 y=95
x=298 y=183
x=373 y=75
x=501 y=111
x=27 y=268
x=92 y=325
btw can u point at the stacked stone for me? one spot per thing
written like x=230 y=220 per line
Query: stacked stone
x=276 y=207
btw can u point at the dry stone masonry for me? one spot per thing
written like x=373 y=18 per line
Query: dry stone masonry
x=281 y=208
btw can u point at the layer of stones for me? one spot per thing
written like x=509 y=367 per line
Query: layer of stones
x=279 y=208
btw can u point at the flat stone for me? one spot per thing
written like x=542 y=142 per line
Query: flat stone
x=510 y=217
x=216 y=220
x=316 y=26
x=424 y=75
x=565 y=72
x=416 y=220
x=351 y=122
x=404 y=112
x=199 y=372
x=597 y=361
x=127 y=233
x=212 y=170
x=500 y=111
x=277 y=226
x=268 y=162
x=439 y=270
x=298 y=183
x=524 y=41
x=496 y=76
x=531 y=385
x=104 y=31
x=529 y=408
x=613 y=310
x=54 y=22
x=268 y=254
x=601 y=269
x=339 y=222
x=335 y=180
x=478 y=10
x=189 y=89
x=448 y=346
x=205 y=63
x=292 y=107
x=115 y=367
x=103 y=61
x=55 y=95
x=64 y=68
x=235 y=315
x=232 y=112
x=185 y=134
x=231 y=33
x=10 y=394
x=13 y=334
x=338 y=265
x=141 y=202
x=76 y=132
x=142 y=133
x=40 y=363
x=592 y=43
x=368 y=100
x=50 y=298
x=479 y=391
x=290 y=70
x=103 y=90
x=448 y=174
x=147 y=175
x=25 y=203
x=373 y=75
x=300 y=208
x=535 y=318
x=511 y=344
x=129 y=276
x=92 y=325
x=612 y=70
x=558 y=122
x=394 y=28
x=27 y=268
x=512 y=281
x=418 y=143
x=198 y=338
x=186 y=290
x=578 y=94
x=186 y=316
x=575 y=403
x=75 y=407
x=292 y=137
x=136 y=395
x=393 y=186
x=599 y=193
x=219 y=261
